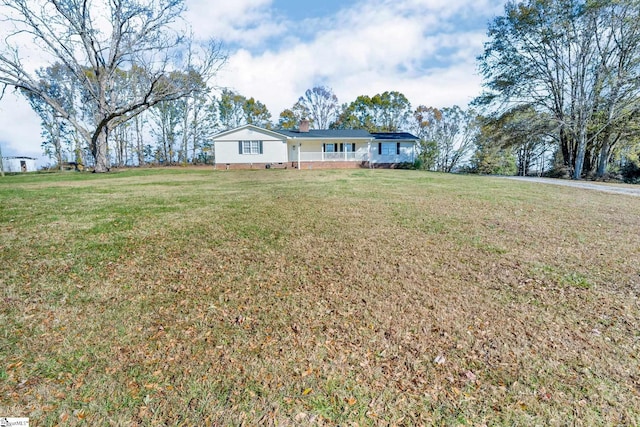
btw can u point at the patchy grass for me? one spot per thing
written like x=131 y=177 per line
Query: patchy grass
x=193 y=297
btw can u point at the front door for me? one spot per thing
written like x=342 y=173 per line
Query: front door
x=293 y=153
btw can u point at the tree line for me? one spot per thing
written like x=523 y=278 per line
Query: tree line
x=180 y=131
x=565 y=73
x=127 y=84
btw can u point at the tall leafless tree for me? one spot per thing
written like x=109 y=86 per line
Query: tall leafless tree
x=93 y=40
x=322 y=105
x=576 y=60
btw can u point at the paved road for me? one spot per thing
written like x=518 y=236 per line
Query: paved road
x=628 y=190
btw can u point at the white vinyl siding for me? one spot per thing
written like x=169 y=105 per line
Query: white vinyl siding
x=394 y=152
x=261 y=147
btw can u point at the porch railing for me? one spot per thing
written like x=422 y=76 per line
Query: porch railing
x=351 y=156
x=347 y=156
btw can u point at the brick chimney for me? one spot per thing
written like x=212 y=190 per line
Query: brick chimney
x=304 y=126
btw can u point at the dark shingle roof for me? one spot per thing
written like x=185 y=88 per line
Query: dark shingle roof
x=347 y=133
x=326 y=133
x=386 y=136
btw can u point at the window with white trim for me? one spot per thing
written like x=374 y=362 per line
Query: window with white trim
x=388 y=148
x=349 y=147
x=250 y=147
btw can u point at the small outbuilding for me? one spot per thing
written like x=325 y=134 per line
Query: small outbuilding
x=19 y=164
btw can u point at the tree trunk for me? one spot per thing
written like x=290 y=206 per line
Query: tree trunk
x=185 y=133
x=99 y=150
x=566 y=152
x=58 y=149
x=587 y=165
x=580 y=153
x=139 y=143
x=194 y=133
x=603 y=160
x=79 y=158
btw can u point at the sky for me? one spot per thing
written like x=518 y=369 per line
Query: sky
x=277 y=49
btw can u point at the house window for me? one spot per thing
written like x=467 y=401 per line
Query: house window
x=349 y=147
x=250 y=147
x=329 y=148
x=388 y=148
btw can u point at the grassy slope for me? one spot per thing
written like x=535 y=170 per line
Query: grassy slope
x=196 y=297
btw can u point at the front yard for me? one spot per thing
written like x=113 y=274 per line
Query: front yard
x=283 y=297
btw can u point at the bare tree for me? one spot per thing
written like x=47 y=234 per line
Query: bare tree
x=54 y=129
x=448 y=134
x=424 y=127
x=93 y=40
x=202 y=126
x=576 y=60
x=322 y=105
x=522 y=131
x=167 y=118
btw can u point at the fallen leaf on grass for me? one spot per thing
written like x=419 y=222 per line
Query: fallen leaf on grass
x=143 y=412
x=307 y=391
x=470 y=376
x=15 y=365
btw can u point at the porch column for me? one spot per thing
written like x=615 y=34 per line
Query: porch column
x=299 y=156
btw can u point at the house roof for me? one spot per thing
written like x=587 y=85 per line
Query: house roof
x=395 y=136
x=326 y=133
x=349 y=133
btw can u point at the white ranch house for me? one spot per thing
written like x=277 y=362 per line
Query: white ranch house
x=254 y=147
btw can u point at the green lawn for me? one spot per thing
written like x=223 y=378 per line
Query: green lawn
x=281 y=297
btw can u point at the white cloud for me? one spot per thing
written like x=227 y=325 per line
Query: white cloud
x=243 y=22
x=417 y=47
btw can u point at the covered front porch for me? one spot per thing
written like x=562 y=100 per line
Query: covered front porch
x=346 y=154
x=329 y=151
